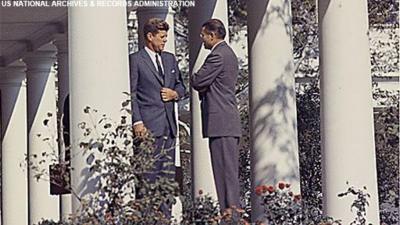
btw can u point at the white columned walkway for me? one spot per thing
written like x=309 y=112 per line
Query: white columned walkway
x=98 y=76
x=14 y=179
x=61 y=43
x=202 y=178
x=346 y=107
x=274 y=153
x=41 y=98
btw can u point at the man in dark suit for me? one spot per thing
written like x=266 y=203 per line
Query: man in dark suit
x=156 y=83
x=215 y=81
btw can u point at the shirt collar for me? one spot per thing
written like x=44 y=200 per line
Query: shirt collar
x=217 y=44
x=151 y=52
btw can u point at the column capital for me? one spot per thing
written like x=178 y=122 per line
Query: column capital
x=39 y=61
x=12 y=75
x=61 y=43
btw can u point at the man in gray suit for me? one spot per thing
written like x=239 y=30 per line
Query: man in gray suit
x=156 y=83
x=215 y=81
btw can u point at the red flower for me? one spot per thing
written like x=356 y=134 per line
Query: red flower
x=287 y=185
x=297 y=198
x=265 y=188
x=260 y=190
x=270 y=189
x=281 y=185
x=290 y=193
x=200 y=192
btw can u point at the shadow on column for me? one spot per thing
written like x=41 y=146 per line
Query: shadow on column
x=268 y=126
x=258 y=9
x=6 y=113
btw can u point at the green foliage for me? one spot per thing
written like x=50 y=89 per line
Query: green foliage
x=204 y=210
x=50 y=222
x=387 y=154
x=383 y=12
x=281 y=206
x=118 y=163
x=305 y=32
x=384 y=50
x=359 y=204
x=308 y=125
x=244 y=160
x=238 y=17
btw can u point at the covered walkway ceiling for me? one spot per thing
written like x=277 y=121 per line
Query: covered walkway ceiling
x=25 y=29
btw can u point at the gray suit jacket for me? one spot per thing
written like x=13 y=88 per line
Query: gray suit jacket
x=215 y=82
x=146 y=84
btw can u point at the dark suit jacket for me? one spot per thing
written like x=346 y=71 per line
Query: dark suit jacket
x=146 y=84
x=215 y=82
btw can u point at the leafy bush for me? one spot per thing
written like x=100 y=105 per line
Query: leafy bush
x=309 y=138
x=359 y=205
x=387 y=154
x=281 y=206
x=118 y=163
x=203 y=210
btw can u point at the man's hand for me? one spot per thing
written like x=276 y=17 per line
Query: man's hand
x=140 y=130
x=168 y=94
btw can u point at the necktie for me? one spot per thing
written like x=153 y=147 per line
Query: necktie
x=160 y=72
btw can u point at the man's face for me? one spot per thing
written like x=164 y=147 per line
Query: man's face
x=158 y=40
x=207 y=39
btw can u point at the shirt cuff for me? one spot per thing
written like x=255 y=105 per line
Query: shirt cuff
x=137 y=122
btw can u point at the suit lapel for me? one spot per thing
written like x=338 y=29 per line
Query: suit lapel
x=150 y=64
x=166 y=70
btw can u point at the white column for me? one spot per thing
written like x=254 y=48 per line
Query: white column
x=98 y=54
x=203 y=178
x=346 y=107
x=274 y=155
x=41 y=101
x=61 y=42
x=14 y=179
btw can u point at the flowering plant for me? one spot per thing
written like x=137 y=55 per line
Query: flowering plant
x=281 y=206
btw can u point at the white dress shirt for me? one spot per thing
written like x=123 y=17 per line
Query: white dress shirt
x=152 y=55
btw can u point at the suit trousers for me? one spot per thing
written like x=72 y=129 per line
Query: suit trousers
x=164 y=152
x=164 y=166
x=225 y=163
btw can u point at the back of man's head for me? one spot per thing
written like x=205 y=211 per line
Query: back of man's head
x=215 y=26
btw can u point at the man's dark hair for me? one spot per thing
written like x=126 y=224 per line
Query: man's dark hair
x=154 y=25
x=216 y=26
